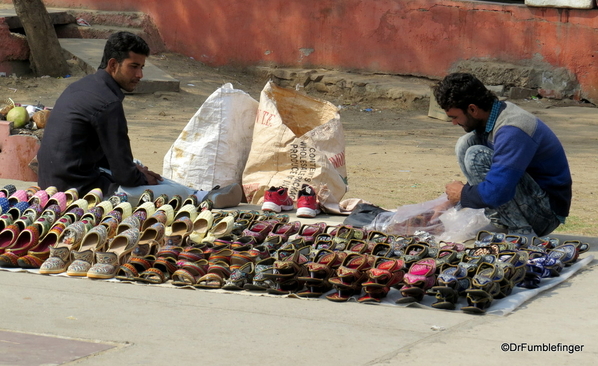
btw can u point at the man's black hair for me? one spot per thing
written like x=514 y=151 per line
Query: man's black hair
x=120 y=44
x=459 y=90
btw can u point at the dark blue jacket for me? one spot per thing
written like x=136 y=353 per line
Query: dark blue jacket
x=87 y=129
x=522 y=144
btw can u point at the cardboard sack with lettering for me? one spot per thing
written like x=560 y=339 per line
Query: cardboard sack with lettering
x=297 y=140
x=213 y=148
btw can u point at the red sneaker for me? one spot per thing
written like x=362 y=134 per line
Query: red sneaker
x=307 y=204
x=277 y=199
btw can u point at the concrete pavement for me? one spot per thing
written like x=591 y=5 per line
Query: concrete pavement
x=143 y=324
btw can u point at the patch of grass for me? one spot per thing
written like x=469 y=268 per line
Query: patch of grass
x=578 y=226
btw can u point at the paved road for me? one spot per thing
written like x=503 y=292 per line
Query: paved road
x=109 y=323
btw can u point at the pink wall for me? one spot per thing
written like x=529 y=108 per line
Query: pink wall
x=420 y=37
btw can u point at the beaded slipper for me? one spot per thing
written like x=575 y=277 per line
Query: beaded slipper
x=27 y=239
x=118 y=252
x=88 y=244
x=41 y=252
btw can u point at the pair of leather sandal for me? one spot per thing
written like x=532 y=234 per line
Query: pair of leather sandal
x=386 y=274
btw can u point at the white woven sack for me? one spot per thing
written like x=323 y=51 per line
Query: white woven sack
x=213 y=148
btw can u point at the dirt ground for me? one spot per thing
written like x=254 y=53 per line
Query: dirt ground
x=394 y=157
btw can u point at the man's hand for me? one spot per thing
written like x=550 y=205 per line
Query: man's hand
x=151 y=177
x=453 y=191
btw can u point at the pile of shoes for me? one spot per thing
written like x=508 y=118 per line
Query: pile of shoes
x=187 y=243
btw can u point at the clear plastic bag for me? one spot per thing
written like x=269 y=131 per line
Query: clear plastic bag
x=437 y=217
x=408 y=219
x=461 y=225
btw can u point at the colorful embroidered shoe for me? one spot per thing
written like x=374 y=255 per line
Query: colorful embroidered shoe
x=451 y=283
x=150 y=240
x=161 y=200
x=350 y=276
x=307 y=203
x=485 y=286
x=239 y=277
x=76 y=236
x=201 y=225
x=94 y=197
x=320 y=269
x=8 y=190
x=119 y=249
x=4 y=205
x=26 y=240
x=18 y=196
x=420 y=277
x=32 y=190
x=40 y=197
x=71 y=195
x=42 y=251
x=144 y=211
x=277 y=199
x=309 y=231
x=260 y=281
x=51 y=190
x=176 y=202
x=118 y=198
x=386 y=273
x=164 y=214
x=218 y=273
x=285 y=230
x=146 y=196
x=189 y=273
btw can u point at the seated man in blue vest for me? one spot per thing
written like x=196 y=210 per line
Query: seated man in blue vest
x=515 y=166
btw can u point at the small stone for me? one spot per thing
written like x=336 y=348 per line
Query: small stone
x=522 y=93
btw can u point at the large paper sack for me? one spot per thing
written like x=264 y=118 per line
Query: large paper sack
x=296 y=139
x=213 y=147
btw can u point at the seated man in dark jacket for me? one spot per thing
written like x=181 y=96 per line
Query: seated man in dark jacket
x=515 y=166
x=86 y=143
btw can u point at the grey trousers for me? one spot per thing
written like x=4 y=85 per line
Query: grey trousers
x=527 y=213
